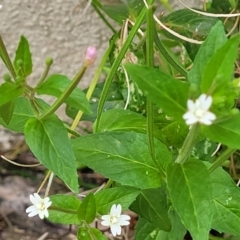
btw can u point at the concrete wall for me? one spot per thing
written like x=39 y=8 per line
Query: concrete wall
x=56 y=28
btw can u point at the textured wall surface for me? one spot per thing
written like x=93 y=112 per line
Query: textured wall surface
x=56 y=28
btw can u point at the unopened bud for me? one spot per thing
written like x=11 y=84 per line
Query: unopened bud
x=19 y=62
x=7 y=77
x=49 y=61
x=90 y=55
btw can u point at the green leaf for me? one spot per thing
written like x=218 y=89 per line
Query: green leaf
x=56 y=84
x=177 y=232
x=204 y=149
x=191 y=25
x=213 y=42
x=125 y=120
x=175 y=133
x=21 y=113
x=121 y=10
x=219 y=70
x=69 y=204
x=23 y=53
x=87 y=210
x=226 y=132
x=168 y=93
x=114 y=100
x=9 y=92
x=49 y=142
x=118 y=195
x=122 y=157
x=86 y=233
x=96 y=234
x=226 y=196
x=191 y=194
x=83 y=234
x=151 y=205
x=146 y=231
x=6 y=112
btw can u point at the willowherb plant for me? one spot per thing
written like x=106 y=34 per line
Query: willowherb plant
x=157 y=123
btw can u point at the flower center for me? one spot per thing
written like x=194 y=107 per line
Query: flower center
x=41 y=206
x=113 y=220
x=199 y=113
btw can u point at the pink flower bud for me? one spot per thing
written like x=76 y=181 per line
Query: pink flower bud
x=90 y=55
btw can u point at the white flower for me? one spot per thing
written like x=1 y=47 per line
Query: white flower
x=39 y=207
x=198 y=111
x=115 y=220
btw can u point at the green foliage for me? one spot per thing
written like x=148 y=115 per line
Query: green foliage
x=191 y=25
x=86 y=233
x=56 y=155
x=56 y=84
x=154 y=163
x=69 y=205
x=168 y=93
x=119 y=11
x=151 y=205
x=122 y=157
x=191 y=194
x=213 y=42
x=118 y=195
x=23 y=58
x=6 y=112
x=226 y=131
x=9 y=92
x=226 y=197
x=124 y=120
x=87 y=210
x=114 y=100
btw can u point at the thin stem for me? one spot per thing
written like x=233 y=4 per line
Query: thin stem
x=188 y=144
x=44 y=75
x=168 y=57
x=150 y=63
x=50 y=179
x=6 y=59
x=108 y=184
x=96 y=8
x=65 y=94
x=95 y=80
x=116 y=64
x=219 y=161
x=44 y=181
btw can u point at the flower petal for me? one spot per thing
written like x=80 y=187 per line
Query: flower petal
x=118 y=210
x=113 y=210
x=115 y=230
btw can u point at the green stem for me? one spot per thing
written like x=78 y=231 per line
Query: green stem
x=44 y=75
x=219 y=161
x=108 y=184
x=96 y=8
x=188 y=144
x=6 y=59
x=65 y=94
x=95 y=80
x=116 y=64
x=72 y=131
x=150 y=63
x=168 y=57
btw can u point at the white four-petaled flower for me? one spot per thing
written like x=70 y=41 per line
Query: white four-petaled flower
x=40 y=206
x=198 y=111
x=115 y=219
